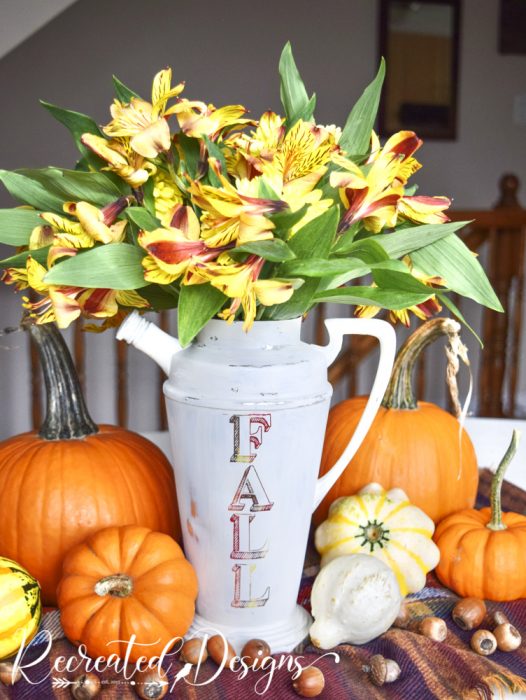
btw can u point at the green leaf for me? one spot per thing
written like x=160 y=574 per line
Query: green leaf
x=274 y=250
x=19 y=260
x=16 y=225
x=406 y=240
x=191 y=155
x=292 y=91
x=451 y=259
x=112 y=266
x=356 y=134
x=314 y=240
x=393 y=299
x=75 y=185
x=285 y=220
x=29 y=191
x=321 y=267
x=123 y=93
x=197 y=305
x=77 y=124
x=216 y=152
x=395 y=275
x=142 y=218
x=160 y=297
x=368 y=250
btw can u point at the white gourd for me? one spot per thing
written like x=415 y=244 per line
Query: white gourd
x=387 y=526
x=354 y=599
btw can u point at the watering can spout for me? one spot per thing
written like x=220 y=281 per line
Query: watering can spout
x=150 y=339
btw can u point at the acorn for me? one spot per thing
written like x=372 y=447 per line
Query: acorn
x=6 y=673
x=469 y=613
x=310 y=683
x=194 y=651
x=255 y=652
x=151 y=684
x=382 y=670
x=216 y=649
x=403 y=618
x=508 y=637
x=499 y=618
x=434 y=628
x=483 y=642
x=85 y=686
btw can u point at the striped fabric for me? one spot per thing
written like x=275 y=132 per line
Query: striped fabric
x=430 y=670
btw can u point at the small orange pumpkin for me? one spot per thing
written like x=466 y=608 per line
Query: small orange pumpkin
x=413 y=446
x=73 y=477
x=482 y=551
x=125 y=581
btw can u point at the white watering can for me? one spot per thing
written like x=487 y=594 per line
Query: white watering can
x=247 y=415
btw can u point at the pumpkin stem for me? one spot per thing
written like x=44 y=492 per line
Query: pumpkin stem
x=495 y=522
x=399 y=394
x=116 y=585
x=67 y=416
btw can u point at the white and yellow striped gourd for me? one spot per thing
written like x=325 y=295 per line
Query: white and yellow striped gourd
x=385 y=525
x=20 y=607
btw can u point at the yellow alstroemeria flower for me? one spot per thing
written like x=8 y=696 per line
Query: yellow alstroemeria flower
x=423 y=311
x=167 y=197
x=171 y=251
x=240 y=282
x=93 y=225
x=371 y=194
x=64 y=304
x=121 y=158
x=100 y=224
x=198 y=119
x=293 y=161
x=424 y=210
x=233 y=214
x=144 y=122
x=402 y=144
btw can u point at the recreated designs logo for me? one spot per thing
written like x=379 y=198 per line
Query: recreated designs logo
x=193 y=675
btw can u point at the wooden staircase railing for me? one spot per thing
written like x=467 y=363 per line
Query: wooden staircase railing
x=502 y=231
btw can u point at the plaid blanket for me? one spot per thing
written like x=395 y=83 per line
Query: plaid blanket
x=430 y=670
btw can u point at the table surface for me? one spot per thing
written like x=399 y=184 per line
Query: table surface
x=490 y=436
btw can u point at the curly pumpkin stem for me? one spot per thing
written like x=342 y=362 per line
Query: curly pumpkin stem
x=67 y=416
x=495 y=522
x=399 y=394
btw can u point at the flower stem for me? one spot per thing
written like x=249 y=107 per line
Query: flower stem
x=496 y=484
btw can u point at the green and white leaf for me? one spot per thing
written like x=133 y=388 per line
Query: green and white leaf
x=198 y=303
x=274 y=250
x=451 y=259
x=294 y=97
x=356 y=134
x=112 y=266
x=16 y=225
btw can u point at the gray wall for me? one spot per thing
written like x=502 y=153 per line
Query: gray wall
x=228 y=53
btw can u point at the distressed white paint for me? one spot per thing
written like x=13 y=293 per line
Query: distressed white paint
x=247 y=415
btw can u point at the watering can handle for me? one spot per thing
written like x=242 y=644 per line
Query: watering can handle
x=337 y=328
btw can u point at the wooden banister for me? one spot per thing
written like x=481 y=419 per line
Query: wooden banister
x=503 y=231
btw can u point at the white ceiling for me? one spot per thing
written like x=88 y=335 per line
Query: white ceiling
x=21 y=18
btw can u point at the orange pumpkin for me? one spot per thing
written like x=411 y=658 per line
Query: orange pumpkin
x=413 y=446
x=73 y=478
x=126 y=581
x=482 y=551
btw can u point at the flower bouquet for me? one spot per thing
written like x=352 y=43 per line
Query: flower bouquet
x=177 y=203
